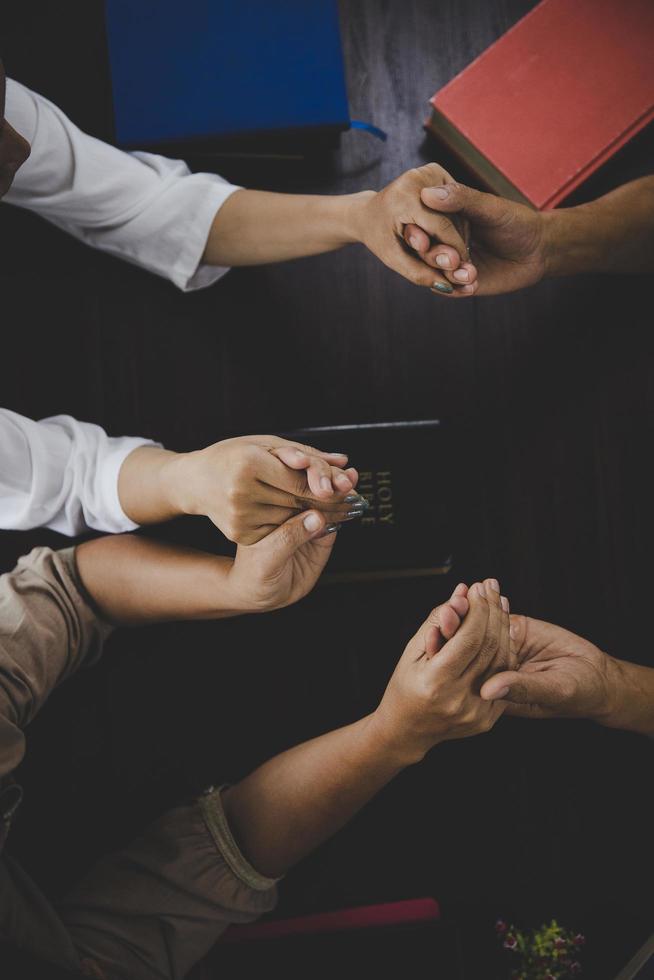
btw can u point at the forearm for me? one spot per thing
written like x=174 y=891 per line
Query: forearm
x=149 y=485
x=291 y=804
x=134 y=580
x=255 y=227
x=632 y=698
x=614 y=234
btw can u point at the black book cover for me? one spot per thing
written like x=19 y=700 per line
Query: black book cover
x=407 y=529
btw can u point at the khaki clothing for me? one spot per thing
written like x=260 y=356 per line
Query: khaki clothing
x=153 y=908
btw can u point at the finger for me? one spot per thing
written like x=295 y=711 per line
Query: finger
x=323 y=479
x=336 y=459
x=481 y=208
x=278 y=548
x=414 y=269
x=417 y=239
x=267 y=515
x=442 y=228
x=449 y=620
x=467 y=273
x=441 y=625
x=497 y=629
x=461 y=650
x=543 y=690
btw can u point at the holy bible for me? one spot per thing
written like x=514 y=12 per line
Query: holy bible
x=407 y=528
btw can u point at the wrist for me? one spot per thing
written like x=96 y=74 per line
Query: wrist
x=143 y=488
x=571 y=241
x=630 y=702
x=400 y=749
x=179 y=480
x=355 y=217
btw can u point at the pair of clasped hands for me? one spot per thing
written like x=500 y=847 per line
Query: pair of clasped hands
x=282 y=502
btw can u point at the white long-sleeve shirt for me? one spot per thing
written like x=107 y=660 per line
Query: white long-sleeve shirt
x=149 y=210
x=144 y=208
x=62 y=474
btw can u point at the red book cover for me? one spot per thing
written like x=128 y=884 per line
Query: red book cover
x=552 y=99
x=342 y=920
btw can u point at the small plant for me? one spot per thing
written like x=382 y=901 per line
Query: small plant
x=548 y=953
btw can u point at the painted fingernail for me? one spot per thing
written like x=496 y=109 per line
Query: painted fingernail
x=352 y=498
x=461 y=275
x=331 y=528
x=326 y=484
x=355 y=513
x=441 y=192
x=443 y=261
x=494 y=584
x=442 y=287
x=505 y=603
x=311 y=522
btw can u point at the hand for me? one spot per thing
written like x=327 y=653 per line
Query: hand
x=283 y=567
x=249 y=486
x=558 y=674
x=433 y=694
x=382 y=218
x=508 y=241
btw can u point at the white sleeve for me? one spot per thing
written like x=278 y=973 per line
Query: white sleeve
x=144 y=208
x=62 y=474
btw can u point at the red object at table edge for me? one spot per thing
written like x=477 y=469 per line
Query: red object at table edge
x=407 y=912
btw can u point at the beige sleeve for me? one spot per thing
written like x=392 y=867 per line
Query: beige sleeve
x=154 y=908
x=48 y=630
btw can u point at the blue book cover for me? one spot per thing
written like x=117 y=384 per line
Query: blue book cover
x=207 y=69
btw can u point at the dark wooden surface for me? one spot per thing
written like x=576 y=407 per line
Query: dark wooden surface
x=549 y=396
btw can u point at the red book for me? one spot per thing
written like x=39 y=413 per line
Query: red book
x=412 y=911
x=552 y=99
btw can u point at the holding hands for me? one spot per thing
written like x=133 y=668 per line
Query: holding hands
x=434 y=693
x=247 y=486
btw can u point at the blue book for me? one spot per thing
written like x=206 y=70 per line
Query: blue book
x=203 y=71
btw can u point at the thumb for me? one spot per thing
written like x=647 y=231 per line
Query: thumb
x=484 y=209
x=280 y=545
x=533 y=689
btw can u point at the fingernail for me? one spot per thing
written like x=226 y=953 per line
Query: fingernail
x=331 y=528
x=355 y=513
x=461 y=275
x=481 y=591
x=502 y=693
x=441 y=192
x=352 y=498
x=325 y=483
x=512 y=631
x=413 y=242
x=311 y=522
x=460 y=589
x=442 y=287
x=494 y=584
x=342 y=479
x=505 y=603
x=443 y=261
x=468 y=289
